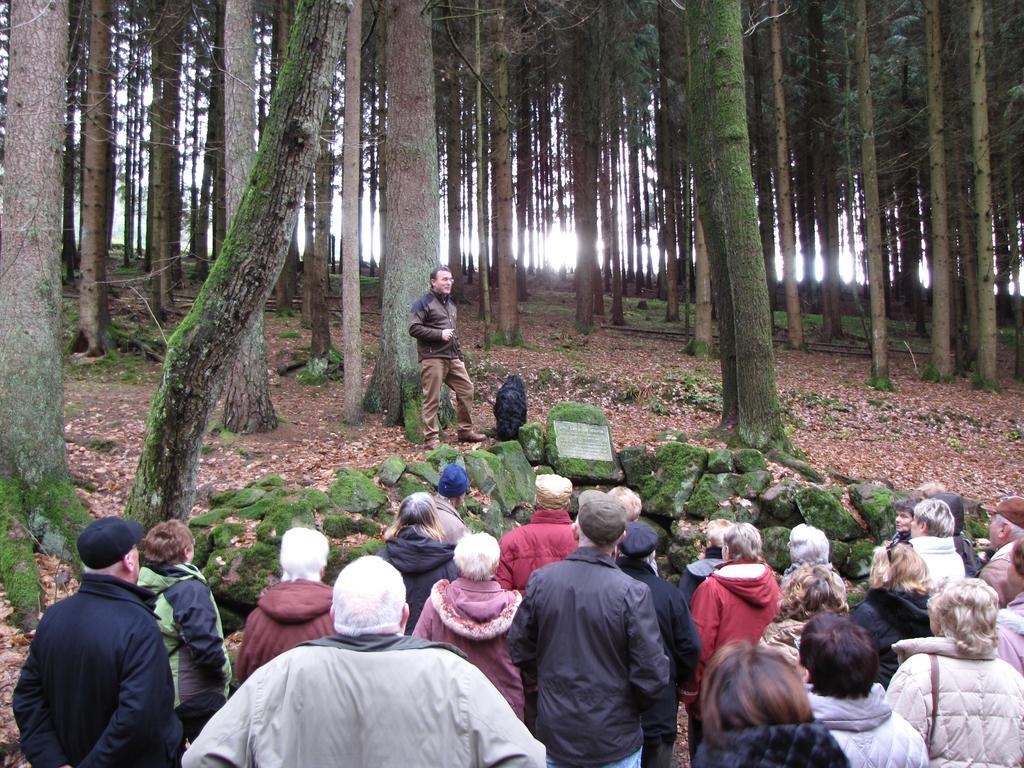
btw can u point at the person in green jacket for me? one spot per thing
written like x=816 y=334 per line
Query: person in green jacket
x=189 y=622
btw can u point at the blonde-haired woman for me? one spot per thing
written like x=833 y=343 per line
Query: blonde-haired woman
x=896 y=605
x=966 y=703
x=809 y=590
x=416 y=546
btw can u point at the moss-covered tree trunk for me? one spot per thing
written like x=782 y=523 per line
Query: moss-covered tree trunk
x=352 y=347
x=411 y=195
x=206 y=342
x=729 y=216
x=872 y=212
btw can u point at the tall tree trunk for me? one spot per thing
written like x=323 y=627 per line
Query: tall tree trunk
x=352 y=347
x=314 y=273
x=453 y=177
x=508 y=289
x=869 y=170
x=481 y=186
x=247 y=404
x=615 y=216
x=287 y=281
x=582 y=117
x=729 y=215
x=94 y=314
x=410 y=239
x=703 y=342
x=671 y=32
x=985 y=375
x=206 y=342
x=783 y=191
x=69 y=245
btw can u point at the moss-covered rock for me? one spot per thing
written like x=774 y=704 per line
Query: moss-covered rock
x=751 y=484
x=482 y=468
x=207 y=519
x=339 y=557
x=17 y=565
x=567 y=420
x=268 y=483
x=742 y=511
x=409 y=484
x=802 y=467
x=425 y=471
x=775 y=543
x=343 y=525
x=291 y=509
x=390 y=470
x=820 y=508
x=225 y=536
x=681 y=555
x=779 y=502
x=543 y=469
x=245 y=497
x=685 y=531
x=857 y=564
x=231 y=621
x=710 y=497
x=874 y=501
x=355 y=492
x=531 y=437
x=638 y=464
x=442 y=456
x=515 y=480
x=720 y=460
x=667 y=488
x=748 y=460
x=238 y=575
x=55 y=518
x=838 y=554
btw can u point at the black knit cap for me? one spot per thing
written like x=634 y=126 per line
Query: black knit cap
x=107 y=540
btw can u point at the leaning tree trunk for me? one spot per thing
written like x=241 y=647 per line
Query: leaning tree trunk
x=985 y=375
x=869 y=171
x=729 y=215
x=94 y=315
x=787 y=232
x=247 y=404
x=206 y=342
x=352 y=348
x=411 y=194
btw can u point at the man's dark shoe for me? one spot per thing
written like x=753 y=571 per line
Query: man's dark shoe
x=472 y=437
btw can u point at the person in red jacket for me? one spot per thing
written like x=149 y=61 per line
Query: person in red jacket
x=735 y=603
x=292 y=612
x=546 y=539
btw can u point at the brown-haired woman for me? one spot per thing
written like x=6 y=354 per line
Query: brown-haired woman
x=809 y=590
x=757 y=714
x=896 y=605
x=416 y=546
x=190 y=624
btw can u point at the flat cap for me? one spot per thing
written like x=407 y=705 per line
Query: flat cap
x=602 y=518
x=640 y=541
x=107 y=540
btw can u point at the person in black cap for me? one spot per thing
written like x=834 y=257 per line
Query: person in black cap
x=96 y=688
x=590 y=635
x=679 y=637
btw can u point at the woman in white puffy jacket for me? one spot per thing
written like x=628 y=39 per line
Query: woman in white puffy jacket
x=966 y=703
x=841 y=661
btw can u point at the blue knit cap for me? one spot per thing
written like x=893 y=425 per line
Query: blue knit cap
x=454 y=481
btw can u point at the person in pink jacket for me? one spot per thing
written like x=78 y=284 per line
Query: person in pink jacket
x=474 y=614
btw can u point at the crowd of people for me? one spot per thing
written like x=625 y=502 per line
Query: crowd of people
x=560 y=645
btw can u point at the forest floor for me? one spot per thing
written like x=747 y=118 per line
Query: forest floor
x=971 y=441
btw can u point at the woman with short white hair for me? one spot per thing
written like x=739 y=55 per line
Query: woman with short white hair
x=931 y=536
x=966 y=703
x=474 y=613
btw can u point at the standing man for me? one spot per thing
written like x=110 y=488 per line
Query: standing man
x=432 y=324
x=590 y=634
x=1005 y=527
x=96 y=688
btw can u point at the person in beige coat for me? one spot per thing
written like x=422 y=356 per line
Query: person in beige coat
x=977 y=716
x=809 y=590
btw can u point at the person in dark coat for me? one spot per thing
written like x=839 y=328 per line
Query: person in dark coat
x=291 y=612
x=96 y=688
x=696 y=572
x=416 y=546
x=757 y=714
x=590 y=634
x=896 y=606
x=678 y=636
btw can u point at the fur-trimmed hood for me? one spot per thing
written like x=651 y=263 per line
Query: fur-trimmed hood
x=477 y=610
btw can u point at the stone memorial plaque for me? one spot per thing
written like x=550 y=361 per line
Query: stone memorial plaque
x=583 y=441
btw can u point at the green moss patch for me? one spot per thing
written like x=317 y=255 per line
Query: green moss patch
x=390 y=470
x=779 y=502
x=238 y=575
x=531 y=437
x=424 y=471
x=749 y=460
x=355 y=492
x=17 y=564
x=874 y=501
x=775 y=545
x=667 y=486
x=720 y=460
x=820 y=508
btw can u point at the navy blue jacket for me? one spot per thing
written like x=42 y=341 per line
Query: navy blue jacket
x=422 y=562
x=682 y=646
x=96 y=688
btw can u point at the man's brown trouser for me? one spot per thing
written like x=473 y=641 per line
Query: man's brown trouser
x=451 y=371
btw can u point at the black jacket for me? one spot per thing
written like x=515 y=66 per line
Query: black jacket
x=891 y=617
x=807 y=745
x=430 y=315
x=423 y=562
x=590 y=634
x=695 y=573
x=96 y=688
x=681 y=641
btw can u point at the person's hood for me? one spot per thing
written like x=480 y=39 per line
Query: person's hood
x=1011 y=618
x=955 y=502
x=900 y=607
x=938 y=646
x=157 y=578
x=754 y=583
x=933 y=545
x=411 y=552
x=296 y=602
x=851 y=714
x=477 y=610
